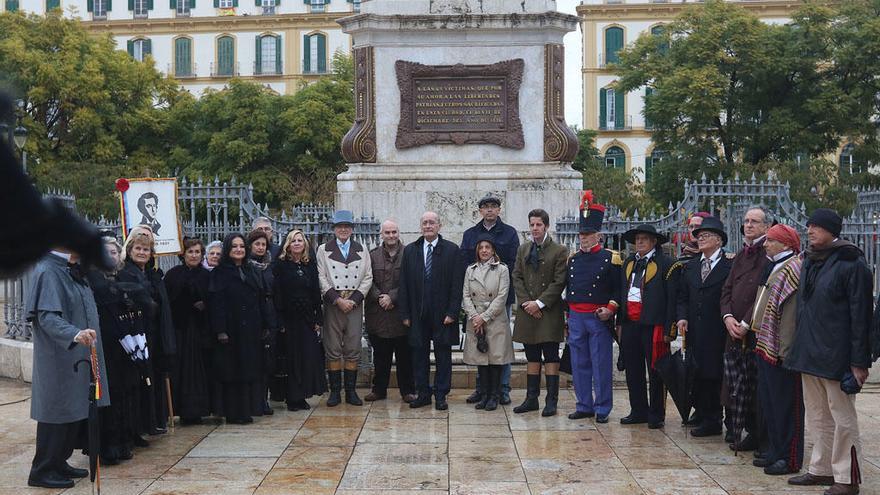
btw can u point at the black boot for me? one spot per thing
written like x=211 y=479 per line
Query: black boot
x=552 y=395
x=494 y=390
x=335 y=378
x=484 y=377
x=533 y=389
x=351 y=395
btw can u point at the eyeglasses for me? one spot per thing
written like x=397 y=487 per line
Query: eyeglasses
x=706 y=235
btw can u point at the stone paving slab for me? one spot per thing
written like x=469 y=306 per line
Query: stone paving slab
x=386 y=448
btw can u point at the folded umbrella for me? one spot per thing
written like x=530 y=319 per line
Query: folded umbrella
x=94 y=424
x=677 y=371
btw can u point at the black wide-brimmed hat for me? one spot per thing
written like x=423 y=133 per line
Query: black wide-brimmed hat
x=712 y=224
x=630 y=235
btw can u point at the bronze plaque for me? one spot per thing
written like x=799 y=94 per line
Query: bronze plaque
x=459 y=104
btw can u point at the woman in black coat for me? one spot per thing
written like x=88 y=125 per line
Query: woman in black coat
x=187 y=286
x=238 y=316
x=260 y=259
x=161 y=340
x=297 y=296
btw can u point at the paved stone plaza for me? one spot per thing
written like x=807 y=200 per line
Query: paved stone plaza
x=388 y=448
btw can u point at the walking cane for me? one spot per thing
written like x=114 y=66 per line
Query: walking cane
x=170 y=403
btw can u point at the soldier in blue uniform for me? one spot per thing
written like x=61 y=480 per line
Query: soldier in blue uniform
x=593 y=283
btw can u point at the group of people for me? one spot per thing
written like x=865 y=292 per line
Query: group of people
x=243 y=321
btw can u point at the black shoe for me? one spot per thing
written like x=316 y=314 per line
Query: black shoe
x=581 y=415
x=293 y=406
x=105 y=461
x=747 y=444
x=475 y=397
x=51 y=480
x=632 y=420
x=779 y=467
x=302 y=405
x=335 y=379
x=420 y=402
x=694 y=420
x=267 y=409
x=159 y=430
x=125 y=455
x=758 y=453
x=492 y=403
x=351 y=396
x=441 y=405
x=656 y=425
x=761 y=462
x=533 y=388
x=69 y=471
x=602 y=418
x=729 y=437
x=139 y=441
x=505 y=399
x=705 y=430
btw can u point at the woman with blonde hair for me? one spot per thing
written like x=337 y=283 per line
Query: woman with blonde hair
x=297 y=295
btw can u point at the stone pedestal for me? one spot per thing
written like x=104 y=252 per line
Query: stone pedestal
x=398 y=169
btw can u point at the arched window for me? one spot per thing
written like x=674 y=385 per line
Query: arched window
x=268 y=55
x=139 y=48
x=315 y=53
x=613 y=44
x=225 y=56
x=183 y=57
x=611 y=109
x=652 y=161
x=658 y=30
x=615 y=157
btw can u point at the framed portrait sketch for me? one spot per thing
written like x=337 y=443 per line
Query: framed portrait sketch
x=153 y=202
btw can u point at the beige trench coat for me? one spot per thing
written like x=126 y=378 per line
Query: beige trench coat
x=485 y=293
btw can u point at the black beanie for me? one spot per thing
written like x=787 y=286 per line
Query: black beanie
x=827 y=219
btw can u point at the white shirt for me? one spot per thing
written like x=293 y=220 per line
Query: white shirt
x=635 y=292
x=713 y=260
x=778 y=257
x=540 y=304
x=433 y=245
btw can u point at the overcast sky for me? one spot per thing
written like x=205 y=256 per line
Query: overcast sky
x=573 y=78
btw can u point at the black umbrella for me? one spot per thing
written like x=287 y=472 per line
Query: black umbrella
x=677 y=371
x=95 y=394
x=740 y=371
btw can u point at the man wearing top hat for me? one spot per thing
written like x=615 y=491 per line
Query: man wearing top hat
x=699 y=321
x=345 y=277
x=506 y=243
x=593 y=286
x=645 y=324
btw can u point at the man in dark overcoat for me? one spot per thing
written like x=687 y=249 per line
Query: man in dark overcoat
x=430 y=300
x=737 y=308
x=506 y=242
x=645 y=323
x=62 y=309
x=699 y=321
x=386 y=332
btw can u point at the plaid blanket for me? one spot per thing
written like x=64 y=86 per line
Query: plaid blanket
x=780 y=291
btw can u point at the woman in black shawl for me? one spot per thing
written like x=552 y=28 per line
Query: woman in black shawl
x=260 y=259
x=238 y=317
x=187 y=286
x=297 y=298
x=122 y=321
x=161 y=340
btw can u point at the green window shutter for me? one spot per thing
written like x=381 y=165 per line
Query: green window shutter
x=619 y=117
x=613 y=44
x=278 y=54
x=322 y=53
x=648 y=93
x=258 y=64
x=258 y=3
x=109 y=5
x=173 y=4
x=90 y=5
x=52 y=4
x=307 y=51
x=148 y=47
x=649 y=167
x=130 y=45
x=131 y=5
x=216 y=4
x=182 y=57
x=149 y=4
x=225 y=55
x=603 y=110
x=12 y=5
x=235 y=3
x=192 y=4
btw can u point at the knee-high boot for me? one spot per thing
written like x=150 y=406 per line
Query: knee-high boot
x=552 y=395
x=335 y=378
x=533 y=389
x=494 y=392
x=351 y=396
x=485 y=379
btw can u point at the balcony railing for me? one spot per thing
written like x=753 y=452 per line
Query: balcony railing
x=605 y=60
x=217 y=71
x=268 y=10
x=183 y=72
x=274 y=70
x=614 y=126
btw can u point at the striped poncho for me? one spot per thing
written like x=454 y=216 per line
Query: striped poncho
x=786 y=284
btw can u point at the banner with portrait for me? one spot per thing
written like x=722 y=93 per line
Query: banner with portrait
x=152 y=202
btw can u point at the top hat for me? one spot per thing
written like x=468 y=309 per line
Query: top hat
x=591 y=215
x=489 y=198
x=343 y=217
x=630 y=235
x=712 y=224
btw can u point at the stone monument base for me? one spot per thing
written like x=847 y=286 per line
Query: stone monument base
x=404 y=192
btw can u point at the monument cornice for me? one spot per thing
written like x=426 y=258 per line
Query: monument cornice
x=215 y=24
x=654 y=11
x=553 y=21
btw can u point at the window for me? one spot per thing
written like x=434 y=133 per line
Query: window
x=849 y=162
x=183 y=57
x=317 y=5
x=658 y=31
x=141 y=8
x=267 y=5
x=615 y=157
x=611 y=109
x=182 y=7
x=268 y=52
x=11 y=5
x=225 y=4
x=225 y=56
x=652 y=161
x=355 y=5
x=139 y=48
x=99 y=8
x=613 y=44
x=315 y=53
x=52 y=4
x=649 y=92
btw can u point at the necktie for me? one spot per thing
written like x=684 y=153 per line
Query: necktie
x=533 y=255
x=705 y=268
x=639 y=272
x=428 y=262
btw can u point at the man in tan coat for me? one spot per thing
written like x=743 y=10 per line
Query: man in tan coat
x=345 y=277
x=539 y=277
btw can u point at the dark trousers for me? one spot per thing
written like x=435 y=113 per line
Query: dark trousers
x=384 y=349
x=707 y=395
x=421 y=357
x=55 y=444
x=782 y=400
x=636 y=342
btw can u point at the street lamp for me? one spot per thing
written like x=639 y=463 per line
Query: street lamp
x=20 y=138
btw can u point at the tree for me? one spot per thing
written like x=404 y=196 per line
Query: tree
x=92 y=112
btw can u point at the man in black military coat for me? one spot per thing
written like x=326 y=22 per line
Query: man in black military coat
x=429 y=301
x=645 y=319
x=699 y=321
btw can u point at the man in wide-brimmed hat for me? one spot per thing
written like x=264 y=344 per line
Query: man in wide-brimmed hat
x=699 y=320
x=645 y=323
x=346 y=277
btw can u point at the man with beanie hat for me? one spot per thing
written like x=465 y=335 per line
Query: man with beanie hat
x=831 y=349
x=773 y=321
